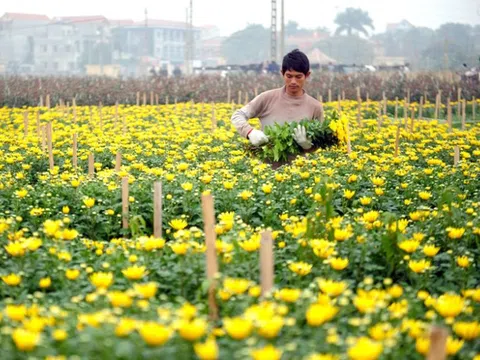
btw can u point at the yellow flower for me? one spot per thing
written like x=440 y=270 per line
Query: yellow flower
x=101 y=280
x=179 y=248
x=342 y=234
x=430 y=250
x=422 y=345
x=449 y=305
x=268 y=352
x=207 y=350
x=332 y=288
x=318 y=314
x=267 y=188
x=72 y=274
x=147 y=290
x=59 y=335
x=463 y=261
x=288 y=295
x=245 y=194
x=352 y=178
x=348 y=194
x=270 y=327
x=228 y=185
x=155 y=334
x=365 y=349
x=455 y=233
x=135 y=272
x=36 y=211
x=378 y=181
x=453 y=345
x=301 y=268
x=424 y=195
x=12 y=279
x=236 y=286
x=45 y=283
x=25 y=340
x=409 y=246
x=89 y=202
x=370 y=216
x=338 y=263
x=16 y=312
x=467 y=330
x=15 y=248
x=178 y=224
x=419 y=266
x=120 y=299
x=69 y=234
x=125 y=327
x=238 y=328
x=187 y=186
x=21 y=193
x=192 y=330
x=65 y=210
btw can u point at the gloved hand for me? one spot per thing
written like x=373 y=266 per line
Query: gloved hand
x=257 y=138
x=300 y=136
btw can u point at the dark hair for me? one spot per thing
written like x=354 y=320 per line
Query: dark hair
x=297 y=61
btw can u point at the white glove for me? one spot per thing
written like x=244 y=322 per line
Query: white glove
x=300 y=136
x=257 y=138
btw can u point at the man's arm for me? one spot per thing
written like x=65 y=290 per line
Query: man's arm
x=252 y=110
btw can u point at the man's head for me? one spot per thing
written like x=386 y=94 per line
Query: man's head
x=295 y=70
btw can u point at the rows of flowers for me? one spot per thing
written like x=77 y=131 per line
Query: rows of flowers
x=371 y=249
x=23 y=91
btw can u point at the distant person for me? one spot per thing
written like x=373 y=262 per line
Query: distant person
x=284 y=105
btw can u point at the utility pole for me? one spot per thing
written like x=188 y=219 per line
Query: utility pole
x=189 y=40
x=282 y=32
x=273 y=32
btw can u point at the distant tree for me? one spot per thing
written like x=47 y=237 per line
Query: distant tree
x=348 y=49
x=353 y=20
x=291 y=28
x=250 y=45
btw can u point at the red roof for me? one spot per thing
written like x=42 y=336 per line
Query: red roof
x=24 y=17
x=121 y=22
x=83 y=19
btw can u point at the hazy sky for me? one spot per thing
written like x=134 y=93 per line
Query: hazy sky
x=230 y=15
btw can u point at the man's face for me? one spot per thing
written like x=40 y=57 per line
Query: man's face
x=294 y=82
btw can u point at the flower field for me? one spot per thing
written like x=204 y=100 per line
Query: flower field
x=372 y=246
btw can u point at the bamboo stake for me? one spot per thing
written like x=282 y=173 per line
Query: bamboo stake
x=456 y=155
x=118 y=161
x=91 y=165
x=266 y=263
x=125 y=202
x=449 y=114
x=438 y=344
x=157 y=209
x=50 y=145
x=25 y=123
x=211 y=252
x=396 y=108
x=74 y=150
x=464 y=113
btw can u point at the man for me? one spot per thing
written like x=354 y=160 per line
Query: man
x=284 y=105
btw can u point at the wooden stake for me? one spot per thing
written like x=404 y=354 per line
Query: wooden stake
x=343 y=94
x=157 y=209
x=459 y=98
x=438 y=344
x=397 y=140
x=91 y=165
x=239 y=97
x=266 y=263
x=41 y=101
x=38 y=123
x=359 y=95
x=138 y=98
x=47 y=101
x=329 y=95
x=396 y=108
x=405 y=112
x=144 y=103
x=50 y=145
x=125 y=202
x=211 y=252
x=74 y=151
x=256 y=91
x=420 y=108
x=25 y=123
x=449 y=114
x=464 y=113
x=456 y=155
x=474 y=107
x=118 y=161
x=151 y=97
x=437 y=105
x=229 y=95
